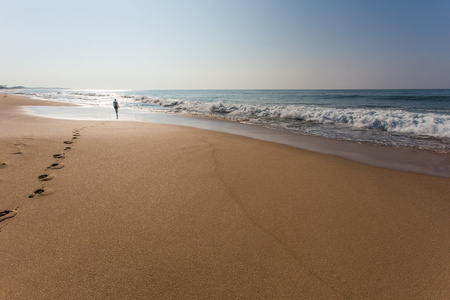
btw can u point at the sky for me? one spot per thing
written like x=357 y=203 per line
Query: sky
x=232 y=44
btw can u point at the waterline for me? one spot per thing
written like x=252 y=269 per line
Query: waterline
x=419 y=161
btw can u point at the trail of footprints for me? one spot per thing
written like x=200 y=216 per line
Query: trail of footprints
x=47 y=176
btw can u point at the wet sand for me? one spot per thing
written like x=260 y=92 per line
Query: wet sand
x=130 y=210
x=402 y=159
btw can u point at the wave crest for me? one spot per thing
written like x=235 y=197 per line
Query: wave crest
x=402 y=121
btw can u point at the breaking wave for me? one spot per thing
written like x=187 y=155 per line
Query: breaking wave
x=432 y=124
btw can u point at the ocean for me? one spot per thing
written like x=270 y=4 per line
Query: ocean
x=418 y=119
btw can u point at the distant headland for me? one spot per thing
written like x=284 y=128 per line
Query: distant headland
x=5 y=87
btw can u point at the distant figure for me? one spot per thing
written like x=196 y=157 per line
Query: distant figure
x=116 y=108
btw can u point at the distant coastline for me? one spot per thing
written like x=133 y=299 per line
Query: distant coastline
x=5 y=87
x=20 y=87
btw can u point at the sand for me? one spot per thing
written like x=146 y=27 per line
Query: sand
x=132 y=210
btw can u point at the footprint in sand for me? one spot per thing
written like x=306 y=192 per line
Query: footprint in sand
x=68 y=142
x=3 y=165
x=41 y=192
x=56 y=166
x=67 y=148
x=37 y=192
x=7 y=214
x=45 y=177
x=59 y=155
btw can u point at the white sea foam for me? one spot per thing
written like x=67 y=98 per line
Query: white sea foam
x=402 y=121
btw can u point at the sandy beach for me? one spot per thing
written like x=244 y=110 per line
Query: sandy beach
x=131 y=210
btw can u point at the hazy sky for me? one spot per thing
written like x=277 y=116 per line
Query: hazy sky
x=175 y=44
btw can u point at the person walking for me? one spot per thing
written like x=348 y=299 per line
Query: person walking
x=116 y=108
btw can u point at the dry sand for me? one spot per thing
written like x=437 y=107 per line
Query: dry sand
x=146 y=211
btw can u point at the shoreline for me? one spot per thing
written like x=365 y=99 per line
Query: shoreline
x=402 y=159
x=374 y=117
x=132 y=210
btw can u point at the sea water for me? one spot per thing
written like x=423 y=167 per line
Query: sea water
x=417 y=119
